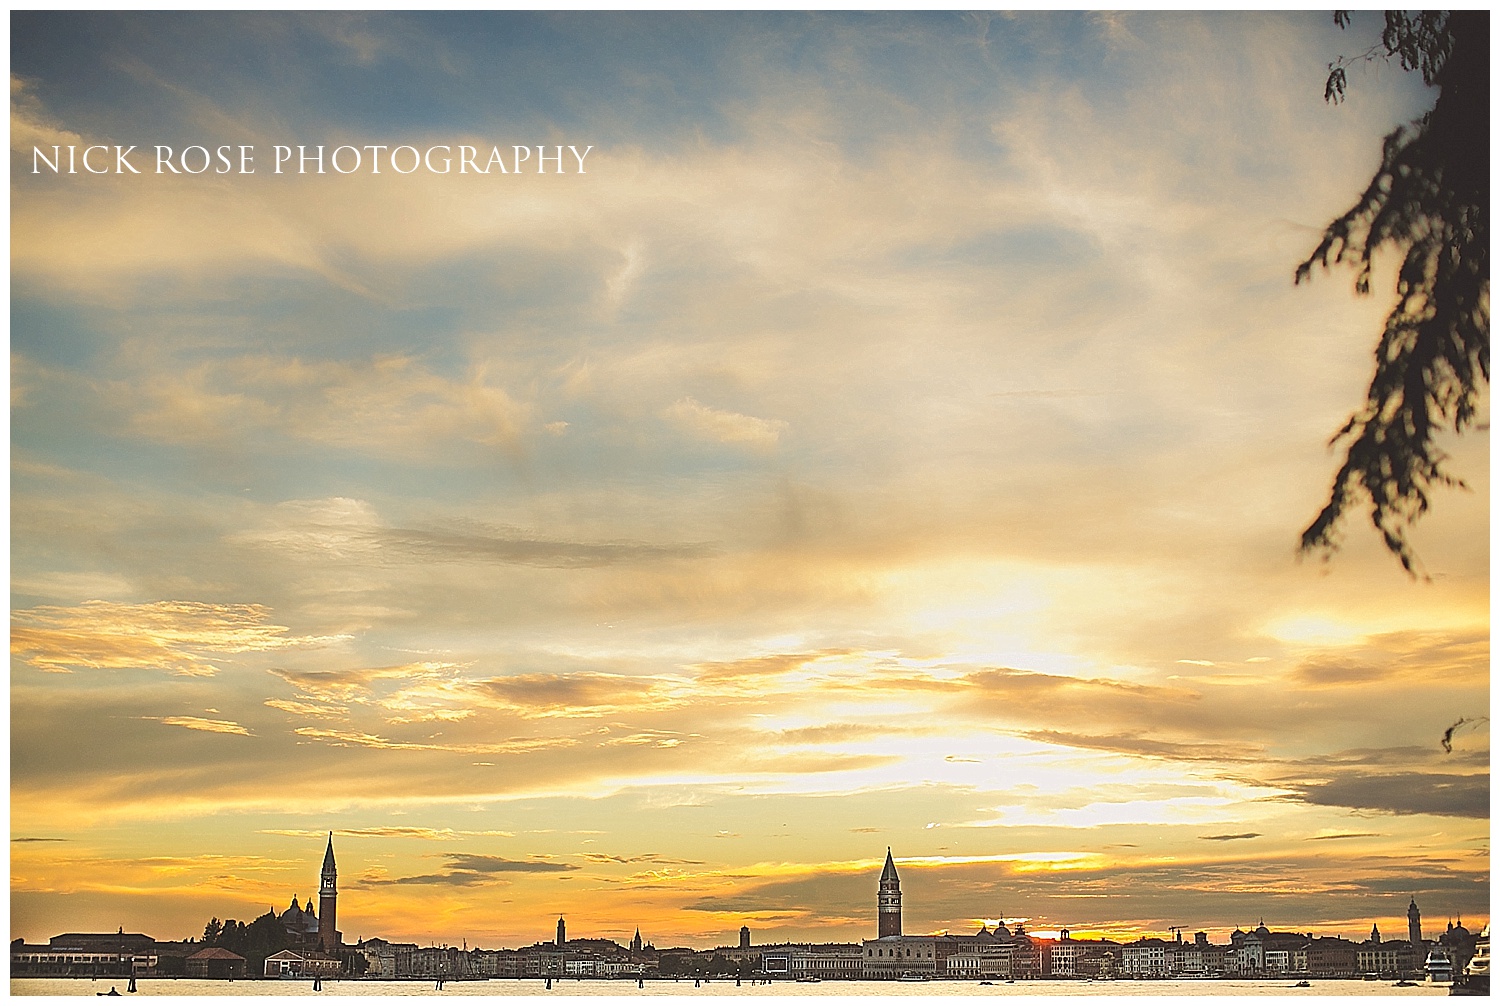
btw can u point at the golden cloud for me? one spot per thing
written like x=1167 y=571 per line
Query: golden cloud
x=356 y=738
x=578 y=694
x=211 y=726
x=168 y=635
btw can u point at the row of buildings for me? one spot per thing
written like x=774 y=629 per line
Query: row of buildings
x=300 y=943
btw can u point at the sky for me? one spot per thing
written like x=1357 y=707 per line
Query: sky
x=897 y=436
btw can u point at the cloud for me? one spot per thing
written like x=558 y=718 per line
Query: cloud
x=344 y=528
x=649 y=857
x=426 y=834
x=1230 y=838
x=1400 y=793
x=297 y=708
x=577 y=694
x=357 y=684
x=211 y=726
x=173 y=636
x=1137 y=745
x=32 y=126
x=356 y=738
x=467 y=870
x=755 y=668
x=724 y=427
x=386 y=405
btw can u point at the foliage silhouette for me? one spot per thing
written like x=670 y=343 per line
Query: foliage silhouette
x=1429 y=199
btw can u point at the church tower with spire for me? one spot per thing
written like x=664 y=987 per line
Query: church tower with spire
x=1414 y=923
x=328 y=903
x=889 y=900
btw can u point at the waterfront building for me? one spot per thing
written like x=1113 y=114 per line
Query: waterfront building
x=818 y=960
x=216 y=962
x=107 y=954
x=1372 y=958
x=1145 y=958
x=979 y=960
x=383 y=959
x=894 y=956
x=302 y=964
x=1331 y=957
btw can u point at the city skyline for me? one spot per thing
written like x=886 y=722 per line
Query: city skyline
x=896 y=432
x=321 y=934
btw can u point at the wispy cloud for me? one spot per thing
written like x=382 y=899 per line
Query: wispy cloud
x=468 y=870
x=723 y=426
x=174 y=636
x=210 y=726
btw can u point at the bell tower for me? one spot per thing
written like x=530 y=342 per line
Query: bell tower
x=889 y=900
x=1414 y=923
x=328 y=902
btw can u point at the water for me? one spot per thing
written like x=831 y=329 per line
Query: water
x=952 y=991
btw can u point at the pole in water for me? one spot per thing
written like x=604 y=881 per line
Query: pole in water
x=131 y=986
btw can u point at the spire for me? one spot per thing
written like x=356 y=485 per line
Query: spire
x=328 y=864
x=889 y=873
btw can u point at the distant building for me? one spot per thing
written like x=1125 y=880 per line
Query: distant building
x=744 y=937
x=1413 y=923
x=562 y=932
x=216 y=962
x=300 y=922
x=818 y=960
x=119 y=953
x=302 y=964
x=895 y=956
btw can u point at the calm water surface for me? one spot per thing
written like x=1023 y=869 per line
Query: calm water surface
x=568 y=989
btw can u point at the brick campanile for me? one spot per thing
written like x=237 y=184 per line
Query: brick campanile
x=890 y=898
x=328 y=902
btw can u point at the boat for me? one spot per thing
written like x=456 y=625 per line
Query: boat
x=1475 y=981
x=1439 y=967
x=808 y=978
x=909 y=977
x=1303 y=985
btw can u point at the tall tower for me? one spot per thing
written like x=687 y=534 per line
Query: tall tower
x=328 y=902
x=744 y=937
x=562 y=932
x=890 y=898
x=1414 y=923
x=635 y=944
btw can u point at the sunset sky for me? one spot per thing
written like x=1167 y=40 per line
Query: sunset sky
x=899 y=436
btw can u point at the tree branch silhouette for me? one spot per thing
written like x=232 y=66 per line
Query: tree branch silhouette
x=1429 y=199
